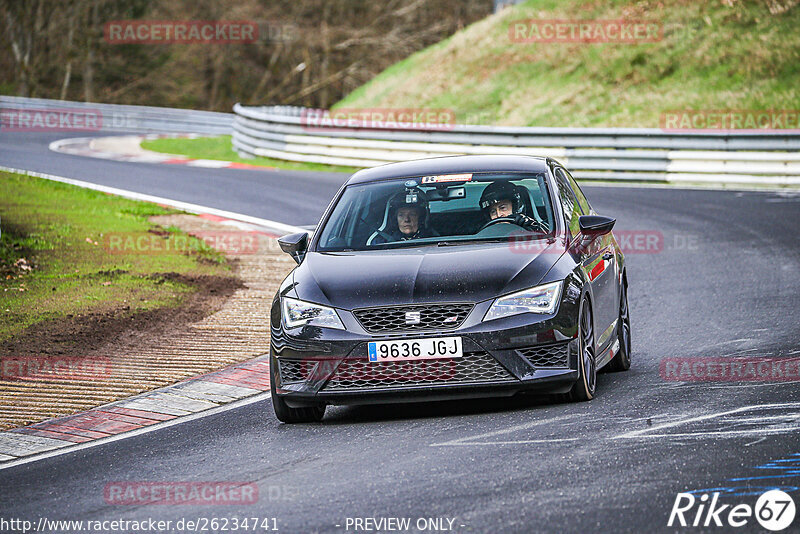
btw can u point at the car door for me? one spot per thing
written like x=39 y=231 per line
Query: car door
x=596 y=255
x=611 y=276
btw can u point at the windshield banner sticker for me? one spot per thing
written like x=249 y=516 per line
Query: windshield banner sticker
x=447 y=178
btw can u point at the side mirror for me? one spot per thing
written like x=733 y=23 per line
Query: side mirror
x=595 y=225
x=295 y=245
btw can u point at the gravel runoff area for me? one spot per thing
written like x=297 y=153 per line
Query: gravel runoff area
x=142 y=356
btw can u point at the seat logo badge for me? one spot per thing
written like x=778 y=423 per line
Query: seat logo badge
x=413 y=317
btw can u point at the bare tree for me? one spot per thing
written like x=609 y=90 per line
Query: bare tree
x=24 y=22
x=310 y=52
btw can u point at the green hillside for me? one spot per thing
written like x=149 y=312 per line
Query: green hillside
x=710 y=55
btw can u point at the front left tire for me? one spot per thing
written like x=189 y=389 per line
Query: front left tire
x=287 y=414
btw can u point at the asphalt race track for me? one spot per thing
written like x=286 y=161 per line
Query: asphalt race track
x=291 y=197
x=724 y=282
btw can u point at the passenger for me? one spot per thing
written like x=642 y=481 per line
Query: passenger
x=407 y=218
x=501 y=199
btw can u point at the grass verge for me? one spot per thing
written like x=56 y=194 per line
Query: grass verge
x=220 y=148
x=722 y=55
x=57 y=259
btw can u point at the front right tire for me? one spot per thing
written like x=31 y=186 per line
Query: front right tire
x=584 y=388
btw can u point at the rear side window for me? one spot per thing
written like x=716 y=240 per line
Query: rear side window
x=569 y=203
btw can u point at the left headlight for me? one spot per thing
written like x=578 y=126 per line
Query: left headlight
x=298 y=313
x=540 y=299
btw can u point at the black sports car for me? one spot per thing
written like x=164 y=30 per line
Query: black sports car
x=454 y=277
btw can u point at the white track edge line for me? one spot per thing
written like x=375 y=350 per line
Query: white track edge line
x=185 y=206
x=139 y=431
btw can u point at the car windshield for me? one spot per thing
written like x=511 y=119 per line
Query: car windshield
x=439 y=210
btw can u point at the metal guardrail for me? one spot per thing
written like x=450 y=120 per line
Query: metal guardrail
x=285 y=132
x=107 y=117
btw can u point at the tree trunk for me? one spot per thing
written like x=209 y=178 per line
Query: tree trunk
x=88 y=66
x=68 y=70
x=65 y=85
x=307 y=76
x=88 y=76
x=326 y=55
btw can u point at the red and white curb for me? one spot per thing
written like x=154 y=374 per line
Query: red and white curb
x=128 y=148
x=247 y=381
x=237 y=385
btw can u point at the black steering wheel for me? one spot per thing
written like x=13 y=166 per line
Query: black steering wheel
x=499 y=220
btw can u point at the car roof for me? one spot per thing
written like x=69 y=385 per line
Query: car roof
x=450 y=165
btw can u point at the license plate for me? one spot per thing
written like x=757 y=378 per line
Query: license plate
x=415 y=349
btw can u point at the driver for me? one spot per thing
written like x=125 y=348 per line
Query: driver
x=407 y=217
x=501 y=199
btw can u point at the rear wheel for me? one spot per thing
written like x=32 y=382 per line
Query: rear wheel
x=584 y=388
x=622 y=360
x=287 y=414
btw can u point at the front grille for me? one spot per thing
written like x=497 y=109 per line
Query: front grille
x=431 y=317
x=547 y=355
x=294 y=370
x=470 y=368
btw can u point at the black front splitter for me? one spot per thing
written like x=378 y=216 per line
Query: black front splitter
x=557 y=383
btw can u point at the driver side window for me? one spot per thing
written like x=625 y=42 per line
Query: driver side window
x=569 y=203
x=582 y=202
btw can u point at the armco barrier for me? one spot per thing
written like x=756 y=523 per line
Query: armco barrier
x=111 y=117
x=592 y=153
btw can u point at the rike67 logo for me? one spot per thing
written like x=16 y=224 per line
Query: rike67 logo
x=774 y=510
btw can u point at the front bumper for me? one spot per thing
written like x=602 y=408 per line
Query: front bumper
x=560 y=382
x=523 y=353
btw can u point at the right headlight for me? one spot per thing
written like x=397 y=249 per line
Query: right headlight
x=299 y=312
x=540 y=299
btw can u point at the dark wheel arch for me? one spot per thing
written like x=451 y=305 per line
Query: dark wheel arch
x=622 y=359
x=287 y=414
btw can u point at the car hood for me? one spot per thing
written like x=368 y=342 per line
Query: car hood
x=463 y=273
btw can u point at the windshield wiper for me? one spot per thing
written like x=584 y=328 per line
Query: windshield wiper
x=474 y=240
